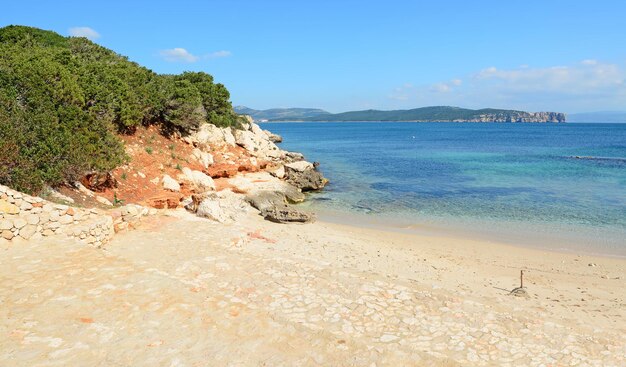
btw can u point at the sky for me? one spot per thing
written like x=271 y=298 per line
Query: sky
x=565 y=56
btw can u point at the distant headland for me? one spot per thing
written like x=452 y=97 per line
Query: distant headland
x=423 y=114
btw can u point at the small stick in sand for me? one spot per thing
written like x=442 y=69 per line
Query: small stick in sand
x=520 y=291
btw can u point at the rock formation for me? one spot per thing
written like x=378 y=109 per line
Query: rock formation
x=272 y=193
x=518 y=116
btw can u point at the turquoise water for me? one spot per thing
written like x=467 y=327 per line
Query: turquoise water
x=521 y=182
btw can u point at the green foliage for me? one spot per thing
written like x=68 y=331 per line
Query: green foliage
x=116 y=201
x=63 y=98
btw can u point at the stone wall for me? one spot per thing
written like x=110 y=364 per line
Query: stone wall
x=29 y=217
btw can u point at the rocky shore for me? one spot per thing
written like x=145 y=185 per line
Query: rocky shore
x=210 y=275
x=216 y=184
x=282 y=181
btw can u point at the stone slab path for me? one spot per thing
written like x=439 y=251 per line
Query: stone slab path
x=181 y=296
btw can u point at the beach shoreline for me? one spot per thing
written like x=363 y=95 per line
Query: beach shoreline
x=251 y=291
x=521 y=238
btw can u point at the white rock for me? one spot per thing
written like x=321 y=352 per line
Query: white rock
x=5 y=224
x=19 y=223
x=229 y=139
x=278 y=172
x=212 y=135
x=210 y=208
x=205 y=158
x=199 y=179
x=256 y=130
x=28 y=231
x=170 y=184
x=245 y=139
x=300 y=166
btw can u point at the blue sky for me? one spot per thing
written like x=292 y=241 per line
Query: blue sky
x=567 y=56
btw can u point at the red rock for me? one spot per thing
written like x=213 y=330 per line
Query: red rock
x=164 y=201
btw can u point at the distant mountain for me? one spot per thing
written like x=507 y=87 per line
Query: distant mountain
x=281 y=114
x=443 y=114
x=601 y=116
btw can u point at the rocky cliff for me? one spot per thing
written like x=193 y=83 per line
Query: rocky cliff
x=517 y=116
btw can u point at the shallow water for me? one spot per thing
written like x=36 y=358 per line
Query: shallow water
x=560 y=186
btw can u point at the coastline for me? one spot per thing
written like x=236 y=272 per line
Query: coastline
x=521 y=238
x=244 y=290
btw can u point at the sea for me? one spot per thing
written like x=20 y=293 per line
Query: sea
x=553 y=186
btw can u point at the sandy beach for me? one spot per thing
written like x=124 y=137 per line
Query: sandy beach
x=185 y=291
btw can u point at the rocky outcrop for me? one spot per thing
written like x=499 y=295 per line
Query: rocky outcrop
x=224 y=206
x=252 y=183
x=272 y=192
x=211 y=136
x=274 y=138
x=273 y=206
x=257 y=143
x=304 y=176
x=517 y=116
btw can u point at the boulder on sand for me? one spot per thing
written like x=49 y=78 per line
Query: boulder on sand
x=304 y=176
x=210 y=208
x=263 y=200
x=273 y=207
x=287 y=214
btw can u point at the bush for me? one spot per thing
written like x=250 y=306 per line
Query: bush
x=63 y=99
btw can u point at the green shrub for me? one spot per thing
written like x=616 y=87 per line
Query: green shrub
x=62 y=99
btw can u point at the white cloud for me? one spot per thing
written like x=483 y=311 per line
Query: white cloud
x=585 y=85
x=218 y=54
x=179 y=54
x=84 y=32
x=587 y=77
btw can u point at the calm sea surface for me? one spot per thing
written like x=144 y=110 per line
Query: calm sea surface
x=516 y=182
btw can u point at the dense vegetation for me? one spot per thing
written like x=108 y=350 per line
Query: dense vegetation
x=63 y=99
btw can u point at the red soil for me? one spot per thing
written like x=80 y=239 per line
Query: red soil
x=151 y=156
